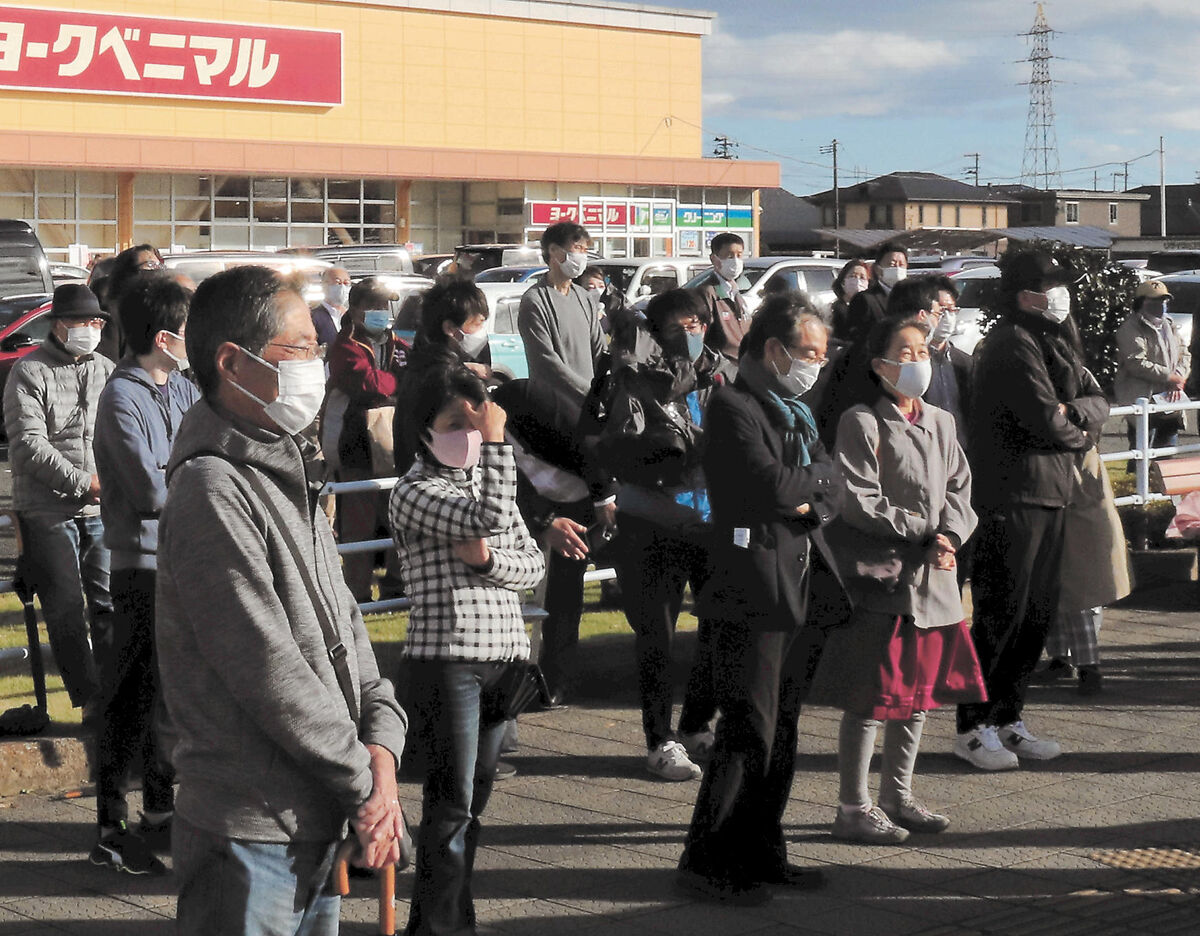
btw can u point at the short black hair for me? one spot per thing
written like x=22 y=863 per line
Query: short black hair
x=240 y=305
x=565 y=234
x=453 y=299
x=152 y=303
x=910 y=296
x=437 y=388
x=890 y=247
x=779 y=317
x=943 y=283
x=721 y=241
x=666 y=305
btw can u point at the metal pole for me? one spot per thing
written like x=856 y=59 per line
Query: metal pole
x=1142 y=444
x=1162 y=189
x=837 y=207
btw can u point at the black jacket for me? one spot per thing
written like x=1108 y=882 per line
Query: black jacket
x=1023 y=450
x=865 y=310
x=962 y=366
x=750 y=487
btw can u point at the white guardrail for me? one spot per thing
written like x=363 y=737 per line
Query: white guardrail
x=1142 y=454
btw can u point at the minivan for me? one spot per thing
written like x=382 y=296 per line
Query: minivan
x=25 y=280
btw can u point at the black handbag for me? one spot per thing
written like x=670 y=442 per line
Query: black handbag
x=521 y=684
x=867 y=562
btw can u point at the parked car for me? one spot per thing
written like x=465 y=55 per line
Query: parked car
x=62 y=273
x=432 y=264
x=642 y=278
x=1173 y=261
x=474 y=258
x=25 y=280
x=947 y=266
x=20 y=335
x=511 y=274
x=976 y=289
x=1184 y=305
x=360 y=260
x=812 y=276
x=201 y=264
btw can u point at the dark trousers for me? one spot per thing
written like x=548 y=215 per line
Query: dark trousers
x=737 y=827
x=1015 y=586
x=460 y=753
x=66 y=563
x=363 y=516
x=653 y=567
x=564 y=606
x=127 y=735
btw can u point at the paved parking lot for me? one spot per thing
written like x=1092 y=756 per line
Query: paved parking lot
x=1105 y=840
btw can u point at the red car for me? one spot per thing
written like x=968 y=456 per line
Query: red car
x=18 y=337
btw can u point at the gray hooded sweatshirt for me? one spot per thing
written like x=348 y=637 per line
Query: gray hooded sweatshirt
x=263 y=743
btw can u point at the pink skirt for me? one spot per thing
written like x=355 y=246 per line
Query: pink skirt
x=883 y=666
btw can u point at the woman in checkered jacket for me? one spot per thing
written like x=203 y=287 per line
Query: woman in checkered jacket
x=467 y=557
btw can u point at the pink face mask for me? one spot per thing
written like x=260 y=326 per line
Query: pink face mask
x=458 y=449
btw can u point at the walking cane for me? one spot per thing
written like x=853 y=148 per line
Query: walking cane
x=387 y=884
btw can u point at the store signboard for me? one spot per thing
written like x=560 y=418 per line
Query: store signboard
x=689 y=243
x=543 y=214
x=604 y=214
x=693 y=216
x=130 y=54
x=663 y=216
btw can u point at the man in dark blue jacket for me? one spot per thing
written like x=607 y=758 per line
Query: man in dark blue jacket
x=138 y=414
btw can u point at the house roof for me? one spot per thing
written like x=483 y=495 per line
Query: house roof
x=1077 y=235
x=786 y=219
x=914 y=186
x=958 y=239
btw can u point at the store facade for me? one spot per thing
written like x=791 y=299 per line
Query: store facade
x=282 y=123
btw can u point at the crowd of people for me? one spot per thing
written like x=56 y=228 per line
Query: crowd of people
x=824 y=493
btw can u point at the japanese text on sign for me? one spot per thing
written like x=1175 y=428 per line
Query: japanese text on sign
x=66 y=50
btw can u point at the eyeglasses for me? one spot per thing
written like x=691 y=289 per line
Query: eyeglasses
x=309 y=352
x=84 y=322
x=149 y=265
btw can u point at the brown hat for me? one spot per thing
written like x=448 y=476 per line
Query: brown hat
x=1034 y=270
x=75 y=301
x=1151 y=289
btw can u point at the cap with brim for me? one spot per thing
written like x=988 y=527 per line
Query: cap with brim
x=1152 y=289
x=74 y=301
x=1035 y=271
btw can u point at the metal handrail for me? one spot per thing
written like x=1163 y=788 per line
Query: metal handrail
x=1142 y=454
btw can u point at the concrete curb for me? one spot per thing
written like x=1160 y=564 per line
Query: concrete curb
x=43 y=765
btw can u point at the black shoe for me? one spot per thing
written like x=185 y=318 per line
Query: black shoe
x=791 y=875
x=1090 y=680
x=714 y=890
x=126 y=851
x=1055 y=669
x=156 y=834
x=556 y=700
x=504 y=770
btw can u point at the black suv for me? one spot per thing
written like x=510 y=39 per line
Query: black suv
x=24 y=273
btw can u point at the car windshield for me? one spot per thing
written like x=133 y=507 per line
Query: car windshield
x=20 y=274
x=976 y=293
x=501 y=275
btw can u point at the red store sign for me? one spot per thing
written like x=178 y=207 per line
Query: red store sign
x=589 y=214
x=103 y=53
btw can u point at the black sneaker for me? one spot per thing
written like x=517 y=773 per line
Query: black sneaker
x=126 y=851
x=157 y=835
x=1090 y=680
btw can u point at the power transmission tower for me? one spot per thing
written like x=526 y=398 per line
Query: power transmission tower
x=972 y=171
x=723 y=147
x=832 y=149
x=1040 y=162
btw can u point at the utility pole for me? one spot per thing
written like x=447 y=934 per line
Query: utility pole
x=1116 y=175
x=1126 y=177
x=1162 y=189
x=832 y=149
x=723 y=147
x=972 y=171
x=1095 y=180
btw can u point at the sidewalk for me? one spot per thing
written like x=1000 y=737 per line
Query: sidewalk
x=1104 y=840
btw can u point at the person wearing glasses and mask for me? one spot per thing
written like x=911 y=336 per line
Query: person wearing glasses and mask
x=50 y=405
x=327 y=316
x=950 y=385
x=363 y=376
x=277 y=740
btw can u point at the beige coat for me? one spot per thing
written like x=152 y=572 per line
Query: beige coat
x=1095 y=558
x=911 y=481
x=1146 y=358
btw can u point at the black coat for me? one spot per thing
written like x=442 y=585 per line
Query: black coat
x=866 y=309
x=752 y=488
x=1023 y=450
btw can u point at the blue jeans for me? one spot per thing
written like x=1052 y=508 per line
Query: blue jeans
x=65 y=560
x=460 y=755
x=232 y=887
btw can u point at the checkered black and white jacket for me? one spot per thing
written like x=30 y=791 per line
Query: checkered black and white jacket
x=459 y=613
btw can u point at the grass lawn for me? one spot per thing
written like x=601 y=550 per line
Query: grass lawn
x=387 y=634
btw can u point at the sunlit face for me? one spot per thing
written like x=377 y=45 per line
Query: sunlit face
x=808 y=344
x=455 y=416
x=907 y=346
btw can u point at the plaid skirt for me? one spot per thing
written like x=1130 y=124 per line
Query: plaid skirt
x=883 y=666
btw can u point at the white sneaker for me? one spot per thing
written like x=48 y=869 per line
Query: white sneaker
x=670 y=761
x=981 y=747
x=1021 y=741
x=698 y=746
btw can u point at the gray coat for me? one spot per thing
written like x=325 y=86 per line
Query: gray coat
x=263 y=743
x=1146 y=358
x=50 y=404
x=912 y=481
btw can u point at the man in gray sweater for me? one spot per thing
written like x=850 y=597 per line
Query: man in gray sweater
x=50 y=404
x=282 y=726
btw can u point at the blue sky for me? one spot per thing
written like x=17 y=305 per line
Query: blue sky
x=917 y=84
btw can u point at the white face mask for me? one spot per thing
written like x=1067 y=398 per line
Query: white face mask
x=800 y=376
x=337 y=294
x=1058 y=304
x=730 y=268
x=301 y=392
x=81 y=340
x=181 y=363
x=944 y=328
x=573 y=264
x=853 y=285
x=472 y=342
x=890 y=276
x=914 y=377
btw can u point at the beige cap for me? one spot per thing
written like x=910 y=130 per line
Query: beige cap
x=1152 y=289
